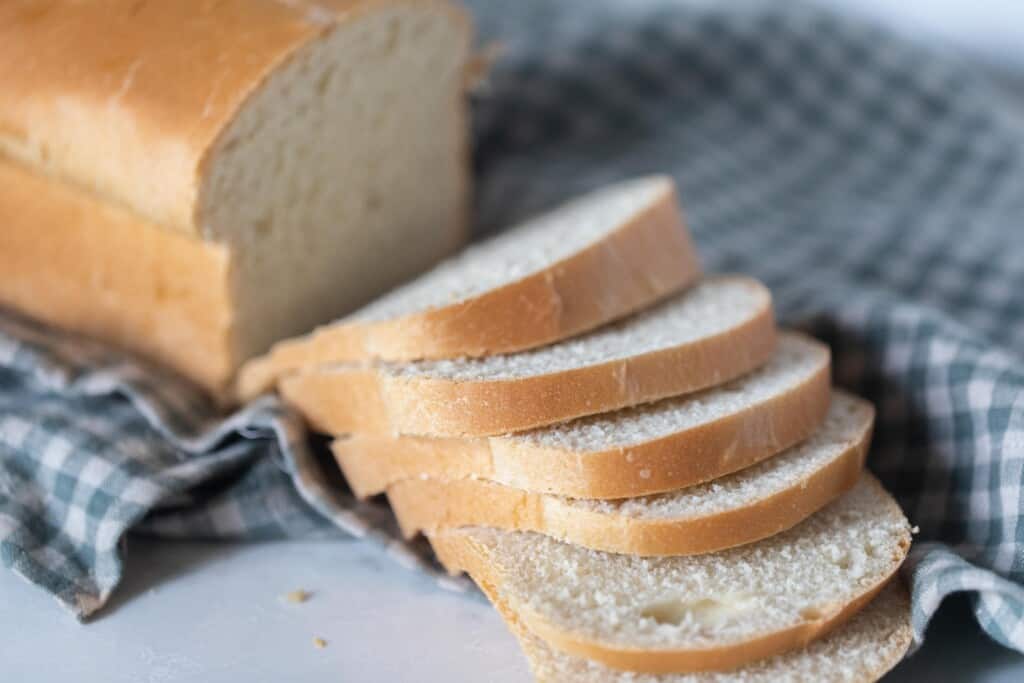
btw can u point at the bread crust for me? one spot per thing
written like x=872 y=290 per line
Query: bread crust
x=431 y=505
x=644 y=260
x=97 y=269
x=369 y=399
x=459 y=552
x=707 y=451
x=149 y=81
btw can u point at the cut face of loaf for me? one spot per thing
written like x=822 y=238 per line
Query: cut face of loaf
x=713 y=332
x=741 y=508
x=697 y=613
x=662 y=446
x=588 y=262
x=292 y=139
x=860 y=651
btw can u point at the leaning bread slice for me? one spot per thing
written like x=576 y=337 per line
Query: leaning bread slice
x=592 y=260
x=860 y=651
x=696 y=613
x=741 y=508
x=717 y=330
x=658 y=447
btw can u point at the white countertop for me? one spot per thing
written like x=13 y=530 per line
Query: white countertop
x=213 y=613
x=195 y=612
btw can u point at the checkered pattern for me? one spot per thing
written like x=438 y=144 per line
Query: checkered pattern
x=876 y=186
x=93 y=444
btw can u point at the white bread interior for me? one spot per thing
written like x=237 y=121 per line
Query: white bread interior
x=860 y=651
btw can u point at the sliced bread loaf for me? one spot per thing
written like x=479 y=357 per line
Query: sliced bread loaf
x=695 y=613
x=662 y=446
x=743 y=507
x=860 y=651
x=287 y=142
x=590 y=261
x=713 y=332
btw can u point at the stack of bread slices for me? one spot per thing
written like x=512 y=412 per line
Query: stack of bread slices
x=648 y=480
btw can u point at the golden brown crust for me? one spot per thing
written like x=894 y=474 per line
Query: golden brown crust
x=372 y=462
x=429 y=406
x=96 y=269
x=149 y=81
x=644 y=260
x=460 y=552
x=431 y=505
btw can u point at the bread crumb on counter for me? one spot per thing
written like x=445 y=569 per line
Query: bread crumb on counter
x=297 y=596
x=319 y=643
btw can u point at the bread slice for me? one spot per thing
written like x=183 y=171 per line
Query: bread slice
x=860 y=651
x=290 y=138
x=715 y=331
x=696 y=613
x=743 y=507
x=663 y=446
x=588 y=262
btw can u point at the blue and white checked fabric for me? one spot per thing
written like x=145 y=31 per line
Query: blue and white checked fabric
x=875 y=185
x=93 y=444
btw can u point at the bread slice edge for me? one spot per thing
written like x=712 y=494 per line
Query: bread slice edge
x=431 y=505
x=368 y=399
x=373 y=462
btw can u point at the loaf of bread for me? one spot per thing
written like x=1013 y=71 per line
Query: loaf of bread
x=292 y=159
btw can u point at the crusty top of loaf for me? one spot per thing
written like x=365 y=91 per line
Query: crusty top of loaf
x=99 y=91
x=710 y=308
x=520 y=251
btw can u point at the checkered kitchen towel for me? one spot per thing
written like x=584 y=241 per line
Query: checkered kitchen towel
x=876 y=186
